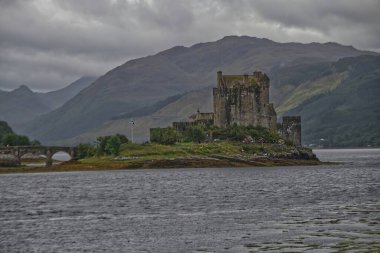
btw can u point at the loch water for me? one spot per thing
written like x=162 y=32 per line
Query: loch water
x=327 y=208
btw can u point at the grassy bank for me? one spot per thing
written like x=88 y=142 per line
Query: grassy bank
x=181 y=155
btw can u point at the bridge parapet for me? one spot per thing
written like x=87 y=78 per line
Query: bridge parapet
x=48 y=151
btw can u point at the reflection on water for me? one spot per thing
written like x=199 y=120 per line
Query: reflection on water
x=283 y=209
x=362 y=157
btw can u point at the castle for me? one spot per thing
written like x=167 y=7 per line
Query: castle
x=244 y=100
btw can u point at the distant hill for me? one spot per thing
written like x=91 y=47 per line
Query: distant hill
x=347 y=113
x=163 y=115
x=145 y=81
x=338 y=102
x=57 y=98
x=22 y=104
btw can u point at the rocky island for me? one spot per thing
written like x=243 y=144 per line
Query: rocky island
x=182 y=155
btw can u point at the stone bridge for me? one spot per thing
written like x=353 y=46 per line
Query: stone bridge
x=19 y=151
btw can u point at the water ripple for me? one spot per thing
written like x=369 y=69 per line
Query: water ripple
x=296 y=209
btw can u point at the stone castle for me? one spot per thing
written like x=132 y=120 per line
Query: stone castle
x=244 y=100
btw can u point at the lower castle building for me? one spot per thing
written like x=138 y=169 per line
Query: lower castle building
x=244 y=100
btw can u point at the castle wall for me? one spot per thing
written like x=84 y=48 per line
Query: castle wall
x=243 y=100
x=220 y=110
x=182 y=126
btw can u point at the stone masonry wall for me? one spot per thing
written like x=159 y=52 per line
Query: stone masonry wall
x=244 y=100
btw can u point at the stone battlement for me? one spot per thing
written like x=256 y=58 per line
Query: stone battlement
x=258 y=79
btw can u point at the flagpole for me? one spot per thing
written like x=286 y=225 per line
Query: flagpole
x=132 y=122
x=132 y=131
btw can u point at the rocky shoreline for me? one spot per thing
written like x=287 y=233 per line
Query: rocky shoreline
x=214 y=161
x=184 y=155
x=295 y=158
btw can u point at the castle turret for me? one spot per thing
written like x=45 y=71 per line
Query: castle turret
x=245 y=79
x=219 y=79
x=257 y=74
x=291 y=129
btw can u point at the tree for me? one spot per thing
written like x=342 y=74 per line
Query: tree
x=113 y=145
x=9 y=138
x=195 y=134
x=12 y=139
x=101 y=145
x=5 y=129
x=35 y=143
x=166 y=136
x=110 y=145
x=122 y=138
x=85 y=150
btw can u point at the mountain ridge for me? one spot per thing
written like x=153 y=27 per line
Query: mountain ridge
x=142 y=82
x=188 y=103
x=21 y=105
x=57 y=98
x=349 y=115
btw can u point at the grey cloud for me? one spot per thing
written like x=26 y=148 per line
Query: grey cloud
x=322 y=14
x=46 y=44
x=42 y=68
x=331 y=18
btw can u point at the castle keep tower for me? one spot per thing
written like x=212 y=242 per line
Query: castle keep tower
x=244 y=100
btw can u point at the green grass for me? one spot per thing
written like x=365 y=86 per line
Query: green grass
x=174 y=151
x=140 y=152
x=181 y=149
x=180 y=155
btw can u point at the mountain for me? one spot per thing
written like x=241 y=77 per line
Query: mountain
x=338 y=102
x=57 y=98
x=22 y=104
x=163 y=115
x=145 y=81
x=347 y=113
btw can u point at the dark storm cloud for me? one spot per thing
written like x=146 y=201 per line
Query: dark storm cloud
x=48 y=43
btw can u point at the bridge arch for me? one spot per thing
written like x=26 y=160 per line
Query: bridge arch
x=50 y=151
x=19 y=151
x=61 y=156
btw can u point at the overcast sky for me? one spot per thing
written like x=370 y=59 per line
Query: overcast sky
x=47 y=44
